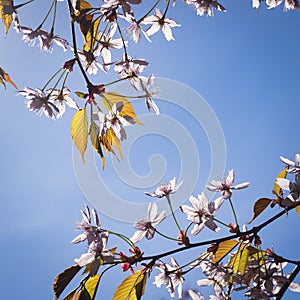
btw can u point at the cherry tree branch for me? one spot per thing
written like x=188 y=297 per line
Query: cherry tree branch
x=252 y=231
x=71 y=11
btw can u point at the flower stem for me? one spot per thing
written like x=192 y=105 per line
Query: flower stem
x=200 y=259
x=149 y=11
x=233 y=211
x=172 y=211
x=189 y=226
x=117 y=80
x=65 y=79
x=54 y=18
x=221 y=222
x=167 y=7
x=52 y=77
x=123 y=41
x=47 y=15
x=165 y=236
x=123 y=237
x=22 y=4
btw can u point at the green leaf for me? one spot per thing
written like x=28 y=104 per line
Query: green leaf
x=259 y=206
x=282 y=174
x=63 y=279
x=224 y=248
x=79 y=131
x=132 y=288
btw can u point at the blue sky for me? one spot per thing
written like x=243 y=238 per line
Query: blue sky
x=244 y=63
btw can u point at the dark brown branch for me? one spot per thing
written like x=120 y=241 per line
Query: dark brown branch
x=252 y=231
x=71 y=11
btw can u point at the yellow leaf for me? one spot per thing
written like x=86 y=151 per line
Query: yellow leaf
x=63 y=279
x=84 y=5
x=132 y=288
x=79 y=131
x=257 y=254
x=224 y=249
x=259 y=206
x=113 y=250
x=95 y=140
x=282 y=174
x=91 y=285
x=80 y=295
x=91 y=36
x=104 y=142
x=70 y=296
x=113 y=141
x=111 y=98
x=2 y=82
x=298 y=210
x=238 y=262
x=5 y=76
x=85 y=19
x=6 y=11
x=7 y=20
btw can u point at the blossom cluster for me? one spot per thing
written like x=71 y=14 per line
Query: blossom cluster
x=104 y=34
x=51 y=103
x=96 y=238
x=259 y=273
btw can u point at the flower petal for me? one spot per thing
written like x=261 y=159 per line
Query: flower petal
x=138 y=236
x=241 y=186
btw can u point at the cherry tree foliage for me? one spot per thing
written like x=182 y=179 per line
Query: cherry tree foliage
x=233 y=263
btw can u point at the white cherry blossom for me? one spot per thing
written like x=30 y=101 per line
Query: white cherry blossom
x=226 y=186
x=106 y=42
x=39 y=102
x=170 y=276
x=165 y=189
x=160 y=22
x=60 y=98
x=146 y=227
x=201 y=213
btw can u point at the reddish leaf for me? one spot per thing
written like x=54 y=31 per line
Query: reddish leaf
x=63 y=279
